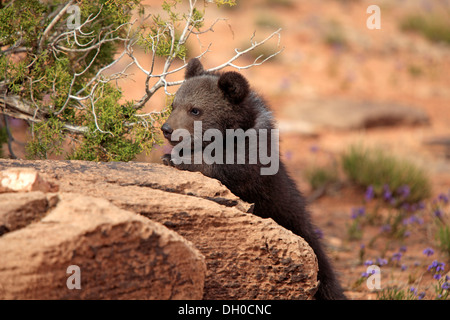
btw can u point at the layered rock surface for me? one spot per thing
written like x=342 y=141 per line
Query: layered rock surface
x=143 y=231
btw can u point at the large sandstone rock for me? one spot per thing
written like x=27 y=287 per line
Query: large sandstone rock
x=315 y=115
x=247 y=257
x=120 y=255
x=17 y=210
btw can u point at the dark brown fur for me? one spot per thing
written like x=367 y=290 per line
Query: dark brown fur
x=225 y=101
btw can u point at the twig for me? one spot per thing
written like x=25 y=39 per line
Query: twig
x=254 y=45
x=10 y=137
x=52 y=24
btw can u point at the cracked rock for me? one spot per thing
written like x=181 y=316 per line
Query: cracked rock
x=246 y=257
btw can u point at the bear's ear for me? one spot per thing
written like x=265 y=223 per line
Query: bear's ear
x=194 y=68
x=234 y=86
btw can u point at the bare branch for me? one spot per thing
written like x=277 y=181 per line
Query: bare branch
x=254 y=45
x=10 y=137
x=15 y=107
x=52 y=24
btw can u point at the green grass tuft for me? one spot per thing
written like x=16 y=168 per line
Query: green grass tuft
x=434 y=27
x=374 y=167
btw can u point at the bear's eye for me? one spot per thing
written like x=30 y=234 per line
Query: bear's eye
x=195 y=112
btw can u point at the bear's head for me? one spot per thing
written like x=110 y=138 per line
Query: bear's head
x=218 y=100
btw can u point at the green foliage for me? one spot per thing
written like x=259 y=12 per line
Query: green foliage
x=443 y=238
x=3 y=139
x=47 y=139
x=197 y=17
x=111 y=129
x=280 y=3
x=373 y=167
x=23 y=17
x=268 y=21
x=334 y=35
x=394 y=293
x=117 y=132
x=230 y=3
x=160 y=38
x=319 y=177
x=436 y=28
x=354 y=230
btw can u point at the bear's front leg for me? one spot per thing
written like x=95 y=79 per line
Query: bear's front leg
x=211 y=171
x=167 y=160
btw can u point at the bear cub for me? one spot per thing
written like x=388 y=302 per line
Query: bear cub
x=224 y=100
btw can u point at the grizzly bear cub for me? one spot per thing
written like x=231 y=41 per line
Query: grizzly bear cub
x=224 y=101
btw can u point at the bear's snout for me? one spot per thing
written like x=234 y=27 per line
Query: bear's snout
x=167 y=130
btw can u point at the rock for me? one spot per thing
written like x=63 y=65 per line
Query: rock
x=247 y=257
x=17 y=179
x=322 y=114
x=440 y=145
x=17 y=210
x=70 y=174
x=120 y=255
x=298 y=127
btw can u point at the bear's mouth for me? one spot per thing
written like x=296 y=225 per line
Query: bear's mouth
x=167 y=135
x=172 y=143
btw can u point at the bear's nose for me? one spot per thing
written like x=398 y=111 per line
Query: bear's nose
x=167 y=130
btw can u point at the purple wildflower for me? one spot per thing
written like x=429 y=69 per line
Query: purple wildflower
x=438 y=267
x=319 y=233
x=404 y=267
x=381 y=261
x=404 y=191
x=406 y=206
x=314 y=148
x=421 y=295
x=428 y=252
x=445 y=286
x=368 y=263
x=402 y=249
x=413 y=219
x=396 y=256
x=437 y=213
x=358 y=212
x=387 y=194
x=443 y=197
x=369 y=194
